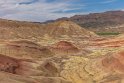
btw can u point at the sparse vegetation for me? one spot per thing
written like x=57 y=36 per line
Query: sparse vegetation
x=107 y=33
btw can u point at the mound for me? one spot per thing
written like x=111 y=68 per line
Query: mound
x=64 y=47
x=67 y=29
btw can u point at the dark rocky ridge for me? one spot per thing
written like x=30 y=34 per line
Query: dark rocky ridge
x=106 y=21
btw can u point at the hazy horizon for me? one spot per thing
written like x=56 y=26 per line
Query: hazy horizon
x=43 y=10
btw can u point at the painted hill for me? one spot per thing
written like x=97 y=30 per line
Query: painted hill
x=61 y=29
x=38 y=31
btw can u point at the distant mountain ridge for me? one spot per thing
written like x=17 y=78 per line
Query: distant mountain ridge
x=110 y=21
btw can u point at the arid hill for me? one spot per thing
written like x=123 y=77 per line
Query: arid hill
x=36 y=31
x=59 y=52
x=63 y=29
x=10 y=30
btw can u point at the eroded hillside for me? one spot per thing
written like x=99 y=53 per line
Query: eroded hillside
x=58 y=52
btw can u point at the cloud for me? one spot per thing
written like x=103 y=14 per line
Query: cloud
x=36 y=10
x=28 y=2
x=108 y=1
x=42 y=10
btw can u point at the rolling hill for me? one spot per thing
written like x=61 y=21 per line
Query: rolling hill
x=36 y=31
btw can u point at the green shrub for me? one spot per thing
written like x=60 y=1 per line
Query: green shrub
x=107 y=33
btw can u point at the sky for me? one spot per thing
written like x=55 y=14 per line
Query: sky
x=43 y=10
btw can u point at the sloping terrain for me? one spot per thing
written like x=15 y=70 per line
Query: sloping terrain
x=72 y=68
x=65 y=29
x=23 y=57
x=59 y=52
x=38 y=32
